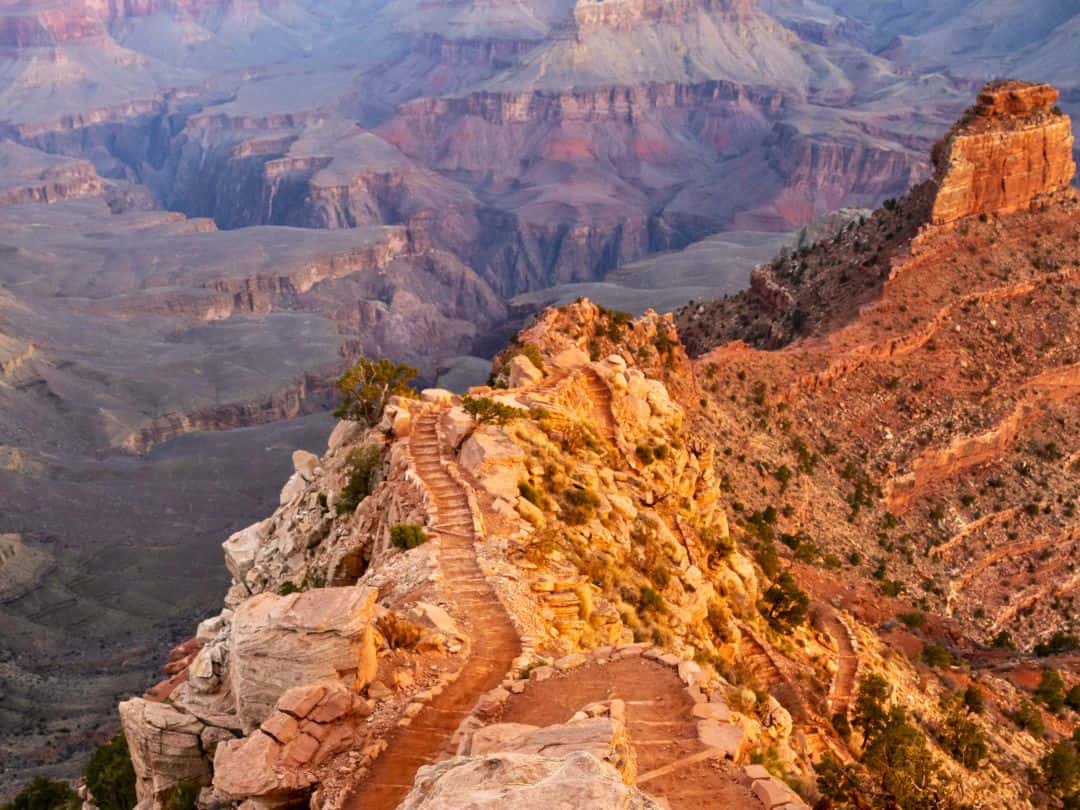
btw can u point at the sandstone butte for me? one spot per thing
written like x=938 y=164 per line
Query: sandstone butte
x=1012 y=146
x=584 y=625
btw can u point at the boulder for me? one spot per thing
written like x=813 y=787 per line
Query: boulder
x=308 y=726
x=293 y=489
x=726 y=738
x=603 y=737
x=241 y=548
x=304 y=463
x=523 y=782
x=165 y=747
x=523 y=372
x=495 y=461
x=278 y=642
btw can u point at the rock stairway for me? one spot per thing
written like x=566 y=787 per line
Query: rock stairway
x=597 y=390
x=672 y=763
x=494 y=641
x=842 y=690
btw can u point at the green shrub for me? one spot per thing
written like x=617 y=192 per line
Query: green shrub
x=578 y=505
x=973 y=699
x=45 y=794
x=913 y=620
x=1051 y=690
x=182 y=796
x=935 y=655
x=1059 y=642
x=644 y=454
x=363 y=462
x=1072 y=698
x=1027 y=717
x=660 y=577
x=110 y=776
x=407 y=536
x=650 y=600
x=1061 y=768
x=485 y=409
x=286 y=588
x=531 y=494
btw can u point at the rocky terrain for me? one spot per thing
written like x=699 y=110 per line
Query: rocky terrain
x=558 y=585
x=207 y=209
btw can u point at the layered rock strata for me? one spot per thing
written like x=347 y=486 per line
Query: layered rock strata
x=1012 y=147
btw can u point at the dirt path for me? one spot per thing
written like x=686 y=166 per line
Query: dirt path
x=671 y=761
x=598 y=391
x=495 y=642
x=842 y=690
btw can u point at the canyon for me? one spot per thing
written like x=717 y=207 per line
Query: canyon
x=565 y=585
x=208 y=209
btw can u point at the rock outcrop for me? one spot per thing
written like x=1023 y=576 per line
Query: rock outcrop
x=309 y=725
x=280 y=642
x=523 y=781
x=1011 y=148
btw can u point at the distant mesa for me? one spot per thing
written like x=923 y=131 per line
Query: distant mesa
x=1011 y=147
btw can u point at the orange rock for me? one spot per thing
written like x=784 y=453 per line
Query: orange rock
x=1012 y=148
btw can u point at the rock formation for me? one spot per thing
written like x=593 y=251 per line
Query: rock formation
x=1012 y=148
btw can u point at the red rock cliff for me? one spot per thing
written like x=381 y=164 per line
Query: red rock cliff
x=1013 y=146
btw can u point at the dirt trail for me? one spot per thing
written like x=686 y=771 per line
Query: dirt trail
x=495 y=642
x=672 y=763
x=842 y=690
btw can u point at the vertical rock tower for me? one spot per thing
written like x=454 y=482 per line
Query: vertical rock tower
x=1011 y=147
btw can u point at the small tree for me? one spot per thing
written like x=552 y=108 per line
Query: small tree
x=785 y=604
x=485 y=409
x=111 y=777
x=871 y=713
x=366 y=388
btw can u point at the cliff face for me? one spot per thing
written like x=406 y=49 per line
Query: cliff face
x=1014 y=146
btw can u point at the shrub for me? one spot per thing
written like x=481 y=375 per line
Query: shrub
x=366 y=388
x=530 y=493
x=660 y=577
x=973 y=699
x=644 y=454
x=485 y=409
x=936 y=656
x=363 y=462
x=1061 y=767
x=1059 y=642
x=578 y=506
x=913 y=619
x=110 y=776
x=183 y=796
x=650 y=600
x=407 y=535
x=286 y=588
x=1072 y=698
x=1051 y=690
x=400 y=634
x=1027 y=717
x=45 y=794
